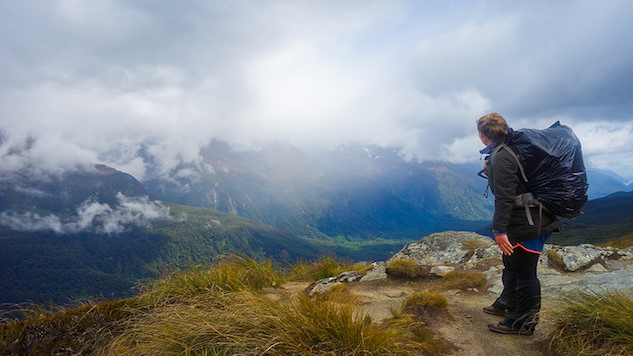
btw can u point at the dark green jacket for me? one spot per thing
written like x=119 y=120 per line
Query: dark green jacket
x=506 y=183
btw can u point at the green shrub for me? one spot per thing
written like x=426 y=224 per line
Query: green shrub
x=592 y=323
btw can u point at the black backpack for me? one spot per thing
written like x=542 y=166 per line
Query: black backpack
x=551 y=164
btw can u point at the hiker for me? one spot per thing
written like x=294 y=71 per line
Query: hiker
x=520 y=237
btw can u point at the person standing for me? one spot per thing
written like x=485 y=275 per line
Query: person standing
x=520 y=237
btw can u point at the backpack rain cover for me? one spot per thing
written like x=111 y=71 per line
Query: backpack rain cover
x=552 y=160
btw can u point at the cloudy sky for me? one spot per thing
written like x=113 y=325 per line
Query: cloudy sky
x=97 y=81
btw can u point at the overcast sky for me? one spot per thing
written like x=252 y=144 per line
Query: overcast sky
x=96 y=81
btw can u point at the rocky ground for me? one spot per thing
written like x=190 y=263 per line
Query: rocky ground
x=561 y=269
x=467 y=331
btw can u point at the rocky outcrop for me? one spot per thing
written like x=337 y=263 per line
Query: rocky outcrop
x=561 y=268
x=449 y=248
x=467 y=249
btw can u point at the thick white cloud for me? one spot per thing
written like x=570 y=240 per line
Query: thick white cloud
x=103 y=81
x=92 y=216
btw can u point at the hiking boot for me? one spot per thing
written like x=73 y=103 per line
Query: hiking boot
x=492 y=310
x=504 y=329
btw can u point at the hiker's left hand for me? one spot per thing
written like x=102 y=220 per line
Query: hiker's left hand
x=504 y=244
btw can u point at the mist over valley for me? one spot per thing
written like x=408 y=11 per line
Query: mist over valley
x=96 y=230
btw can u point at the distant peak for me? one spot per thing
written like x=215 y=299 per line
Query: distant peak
x=103 y=169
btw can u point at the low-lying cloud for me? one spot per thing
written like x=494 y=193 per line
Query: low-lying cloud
x=92 y=216
x=157 y=81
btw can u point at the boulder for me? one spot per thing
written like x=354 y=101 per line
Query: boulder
x=450 y=247
x=584 y=267
x=483 y=253
x=323 y=285
x=581 y=257
x=626 y=253
x=377 y=272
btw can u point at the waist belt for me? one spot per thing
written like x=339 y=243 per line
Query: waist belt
x=528 y=200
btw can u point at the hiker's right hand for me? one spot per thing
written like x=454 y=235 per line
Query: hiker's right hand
x=504 y=244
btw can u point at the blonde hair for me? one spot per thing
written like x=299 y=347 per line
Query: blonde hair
x=493 y=126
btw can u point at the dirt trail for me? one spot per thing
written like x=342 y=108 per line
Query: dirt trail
x=468 y=331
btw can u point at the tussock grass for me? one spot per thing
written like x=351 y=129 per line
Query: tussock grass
x=555 y=261
x=622 y=242
x=462 y=280
x=426 y=305
x=472 y=245
x=402 y=268
x=249 y=323
x=55 y=330
x=419 y=310
x=486 y=263
x=592 y=323
x=339 y=291
x=326 y=266
x=223 y=310
x=237 y=273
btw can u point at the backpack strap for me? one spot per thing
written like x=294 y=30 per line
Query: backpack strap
x=527 y=199
x=525 y=202
x=503 y=145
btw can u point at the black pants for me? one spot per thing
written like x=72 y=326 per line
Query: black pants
x=521 y=289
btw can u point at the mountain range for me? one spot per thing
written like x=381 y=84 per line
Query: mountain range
x=97 y=230
x=604 y=182
x=603 y=220
x=353 y=192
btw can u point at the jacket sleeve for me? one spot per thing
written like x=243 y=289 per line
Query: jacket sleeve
x=504 y=187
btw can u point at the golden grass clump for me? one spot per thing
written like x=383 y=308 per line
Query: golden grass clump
x=339 y=291
x=592 y=323
x=224 y=310
x=56 y=330
x=249 y=323
x=402 y=268
x=326 y=266
x=462 y=280
x=622 y=242
x=427 y=306
x=416 y=313
x=472 y=245
x=234 y=274
x=555 y=261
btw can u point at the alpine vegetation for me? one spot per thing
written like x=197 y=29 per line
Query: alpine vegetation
x=232 y=307
x=592 y=323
